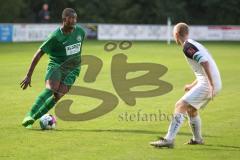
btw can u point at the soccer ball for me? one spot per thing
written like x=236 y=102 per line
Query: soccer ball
x=47 y=121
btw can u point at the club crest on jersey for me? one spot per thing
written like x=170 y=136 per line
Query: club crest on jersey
x=191 y=51
x=79 y=38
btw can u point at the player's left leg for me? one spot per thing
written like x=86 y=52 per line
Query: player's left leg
x=195 y=124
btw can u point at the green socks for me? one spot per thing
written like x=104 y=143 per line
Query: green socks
x=39 y=102
x=45 y=108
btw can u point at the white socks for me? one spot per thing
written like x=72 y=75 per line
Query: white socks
x=195 y=124
x=174 y=126
x=178 y=119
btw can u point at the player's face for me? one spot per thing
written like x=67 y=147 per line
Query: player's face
x=70 y=21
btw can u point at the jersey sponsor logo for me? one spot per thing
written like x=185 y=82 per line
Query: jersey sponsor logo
x=73 y=49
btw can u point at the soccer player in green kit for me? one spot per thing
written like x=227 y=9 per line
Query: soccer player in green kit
x=63 y=47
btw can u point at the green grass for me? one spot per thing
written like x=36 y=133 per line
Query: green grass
x=109 y=137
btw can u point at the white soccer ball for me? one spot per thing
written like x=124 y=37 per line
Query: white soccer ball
x=47 y=121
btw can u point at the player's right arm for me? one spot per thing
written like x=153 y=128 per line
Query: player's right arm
x=27 y=80
x=193 y=53
x=206 y=68
x=46 y=47
x=190 y=51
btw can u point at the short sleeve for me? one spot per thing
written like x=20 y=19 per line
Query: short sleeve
x=199 y=57
x=192 y=52
x=48 y=45
x=82 y=32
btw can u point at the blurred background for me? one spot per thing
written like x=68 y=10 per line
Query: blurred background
x=126 y=11
x=143 y=19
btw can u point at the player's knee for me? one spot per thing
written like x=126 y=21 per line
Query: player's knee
x=192 y=112
x=52 y=88
x=181 y=107
x=57 y=96
x=179 y=104
x=52 y=85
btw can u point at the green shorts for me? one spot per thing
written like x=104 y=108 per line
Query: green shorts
x=65 y=76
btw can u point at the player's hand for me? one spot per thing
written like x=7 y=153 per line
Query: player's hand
x=187 y=87
x=211 y=92
x=26 y=82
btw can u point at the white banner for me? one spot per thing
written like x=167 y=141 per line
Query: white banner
x=32 y=32
x=160 y=32
x=39 y=32
x=132 y=32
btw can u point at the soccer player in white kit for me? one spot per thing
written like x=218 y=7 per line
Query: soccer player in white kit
x=198 y=93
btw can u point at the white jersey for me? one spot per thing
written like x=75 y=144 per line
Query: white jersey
x=196 y=53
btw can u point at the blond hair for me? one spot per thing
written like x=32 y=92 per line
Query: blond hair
x=182 y=29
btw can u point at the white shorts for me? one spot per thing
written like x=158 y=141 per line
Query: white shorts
x=198 y=96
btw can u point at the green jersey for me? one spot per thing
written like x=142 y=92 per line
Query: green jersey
x=64 y=50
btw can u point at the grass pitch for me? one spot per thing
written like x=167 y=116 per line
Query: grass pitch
x=115 y=135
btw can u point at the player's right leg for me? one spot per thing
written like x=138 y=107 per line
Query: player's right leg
x=181 y=108
x=52 y=81
x=45 y=98
x=49 y=104
x=60 y=88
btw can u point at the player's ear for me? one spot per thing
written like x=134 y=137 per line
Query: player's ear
x=64 y=19
x=177 y=34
